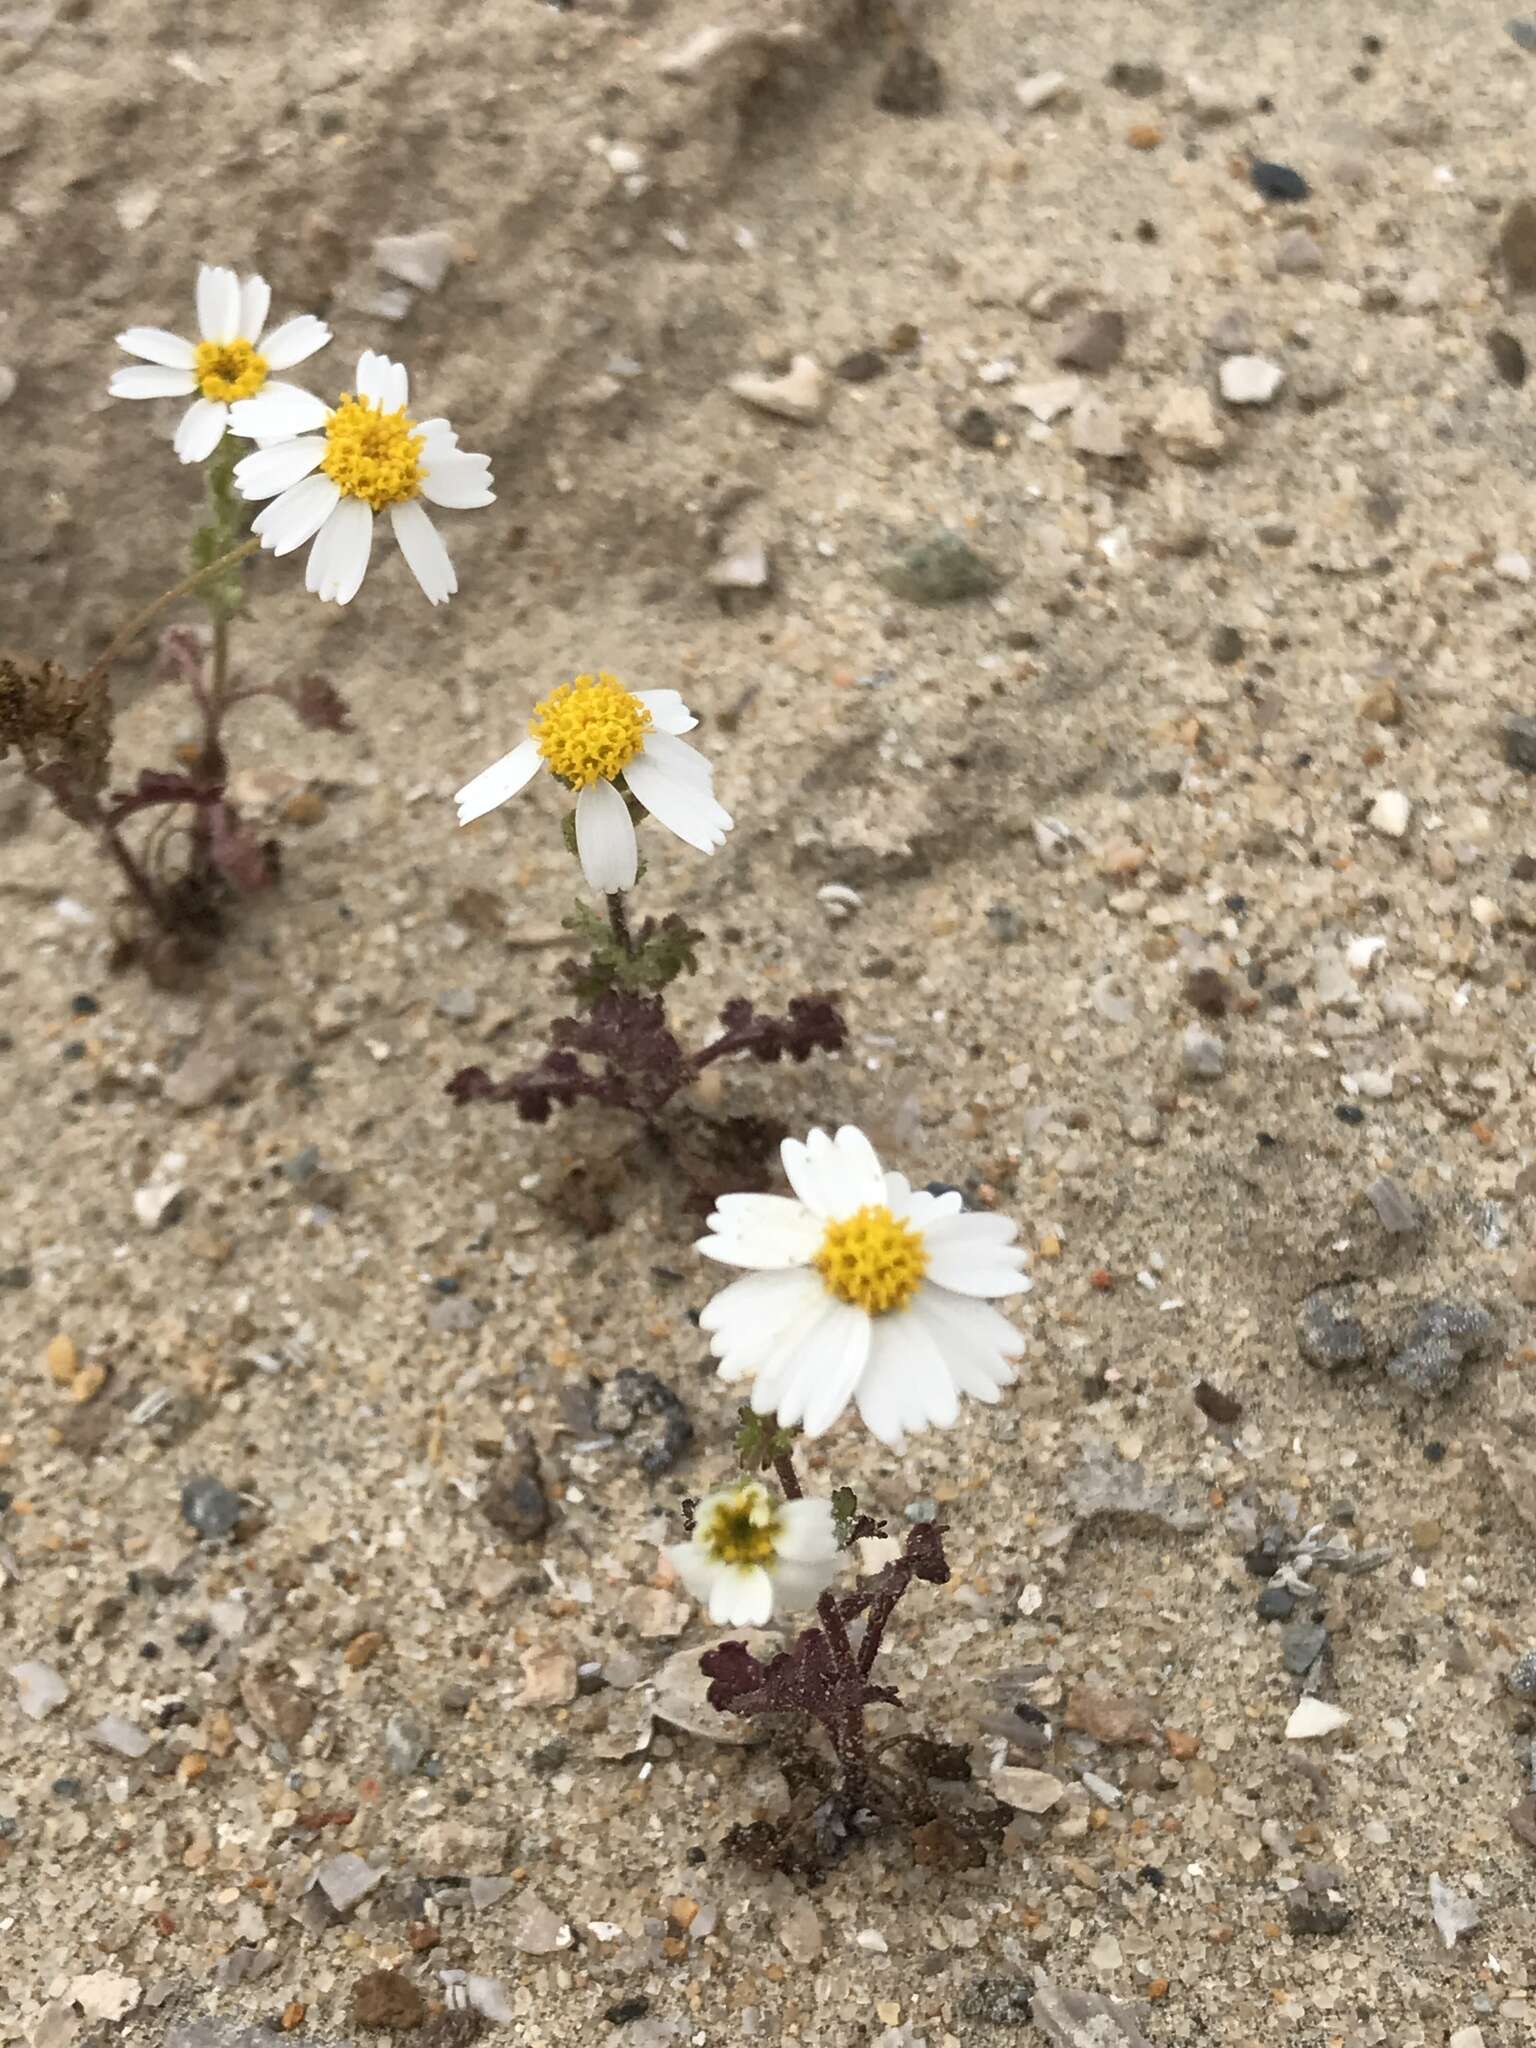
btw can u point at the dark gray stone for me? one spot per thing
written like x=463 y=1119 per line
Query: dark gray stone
x=210 y=1507
x=940 y=569
x=1522 y=1676
x=911 y=83
x=1520 y=742
x=1139 y=81
x=1301 y=1645
x=1445 y=1336
x=644 y=1411
x=1328 y=1332
x=1276 y=1603
x=514 y=1500
x=997 y=2002
x=1094 y=342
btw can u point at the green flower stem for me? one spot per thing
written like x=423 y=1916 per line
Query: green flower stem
x=124 y=639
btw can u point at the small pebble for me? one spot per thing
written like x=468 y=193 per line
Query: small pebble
x=1517 y=245
x=1202 y=1054
x=800 y=394
x=210 y=1507
x=912 y=82
x=1522 y=1676
x=1139 y=81
x=1390 y=814
x=1249 y=380
x=1094 y=342
x=862 y=367
x=1040 y=91
x=421 y=259
x=942 y=569
x=1508 y=356
x=1278 y=181
x=1313 y=1718
x=1520 y=742
x=1298 y=254
x=39 y=1689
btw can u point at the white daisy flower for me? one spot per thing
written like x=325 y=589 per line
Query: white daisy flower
x=230 y=362
x=329 y=468
x=861 y=1289
x=753 y=1555
x=589 y=734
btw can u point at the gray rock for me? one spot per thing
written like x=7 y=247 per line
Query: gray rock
x=1298 y=254
x=1082 y=2019
x=1522 y=1676
x=210 y=1507
x=1141 y=80
x=346 y=1880
x=115 y=1732
x=534 y=1926
x=941 y=569
x=1522 y=32
x=1445 y=1337
x=1327 y=1331
x=454 y=1315
x=1202 y=1054
x=1232 y=335
x=997 y=2002
x=208 y=1071
x=513 y=1499
x=405 y=1744
x=1094 y=342
x=644 y=1411
x=244 y=1965
x=1517 y=245
x=39 y=1688
x=1276 y=1603
x=461 y=1004
x=1394 y=1210
x=1301 y=1644
x=421 y=259
x=1520 y=743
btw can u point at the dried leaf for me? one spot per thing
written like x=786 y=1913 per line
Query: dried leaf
x=317 y=703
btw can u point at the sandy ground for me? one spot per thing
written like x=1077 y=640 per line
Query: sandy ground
x=1205 y=673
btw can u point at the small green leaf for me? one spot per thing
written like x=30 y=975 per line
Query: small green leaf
x=845 y=1509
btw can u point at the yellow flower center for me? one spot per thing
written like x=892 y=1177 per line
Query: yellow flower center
x=872 y=1260
x=227 y=370
x=590 y=730
x=743 y=1528
x=372 y=455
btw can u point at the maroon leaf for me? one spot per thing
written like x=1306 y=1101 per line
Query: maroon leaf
x=237 y=852
x=317 y=703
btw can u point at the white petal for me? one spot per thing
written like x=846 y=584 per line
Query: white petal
x=267 y=471
x=155 y=345
x=974 y=1229
x=916 y=1205
x=338 y=561
x=683 y=763
x=218 y=303
x=694 y=1566
x=151 y=380
x=201 y=429
x=278 y=412
x=792 y=1347
x=834 y=1176
x=461 y=482
x=742 y=1597
x=746 y=1321
x=668 y=711
x=761 y=1232
x=907 y=1385
x=977 y=1343
x=982 y=1269
x=255 y=301
x=295 y=341
x=789 y=1377
x=422 y=546
x=301 y=511
x=686 y=810
x=382 y=382
x=798 y=1586
x=605 y=838
x=503 y=779
x=827 y=1391
x=807 y=1532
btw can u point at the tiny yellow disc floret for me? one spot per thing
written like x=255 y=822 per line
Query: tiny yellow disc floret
x=590 y=730
x=227 y=370
x=872 y=1260
x=372 y=455
x=743 y=1528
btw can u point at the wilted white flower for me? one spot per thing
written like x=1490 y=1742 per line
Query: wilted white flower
x=862 y=1289
x=329 y=469
x=590 y=734
x=231 y=361
x=753 y=1555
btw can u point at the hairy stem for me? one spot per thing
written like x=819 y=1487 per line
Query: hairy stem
x=135 y=876
x=135 y=626
x=618 y=922
x=788 y=1477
